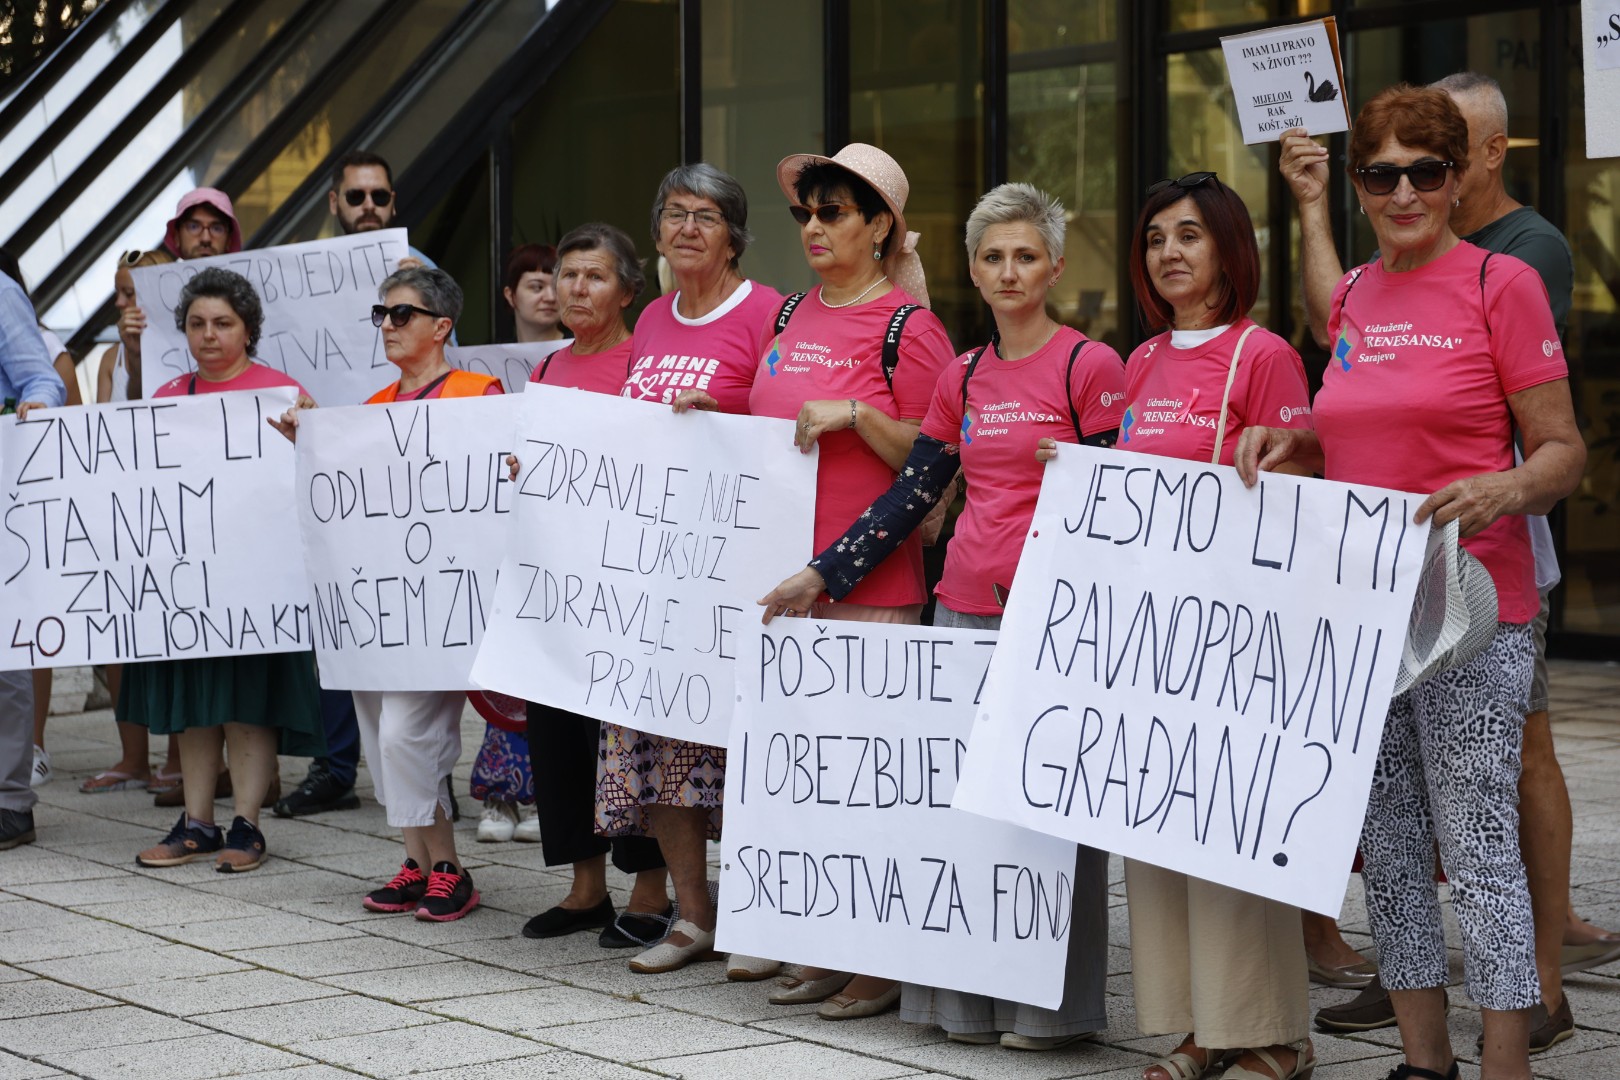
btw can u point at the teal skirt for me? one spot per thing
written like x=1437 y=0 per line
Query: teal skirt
x=274 y=690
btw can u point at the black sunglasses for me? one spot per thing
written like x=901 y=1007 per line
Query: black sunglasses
x=1191 y=180
x=826 y=213
x=400 y=314
x=1425 y=176
x=379 y=196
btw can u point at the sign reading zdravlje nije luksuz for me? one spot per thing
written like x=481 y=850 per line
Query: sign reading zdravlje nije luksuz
x=404 y=509
x=634 y=562
x=841 y=848
x=149 y=530
x=1287 y=77
x=317 y=299
x=1195 y=674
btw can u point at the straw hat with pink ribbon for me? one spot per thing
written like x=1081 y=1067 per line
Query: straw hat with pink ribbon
x=886 y=177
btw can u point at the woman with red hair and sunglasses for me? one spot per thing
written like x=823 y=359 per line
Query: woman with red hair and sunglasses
x=1227 y=967
x=1440 y=351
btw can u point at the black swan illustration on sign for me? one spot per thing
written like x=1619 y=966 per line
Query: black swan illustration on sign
x=1325 y=92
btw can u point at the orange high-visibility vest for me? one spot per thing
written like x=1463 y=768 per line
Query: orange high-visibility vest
x=457 y=384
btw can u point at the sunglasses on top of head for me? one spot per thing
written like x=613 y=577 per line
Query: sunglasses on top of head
x=400 y=314
x=1191 y=180
x=1383 y=179
x=826 y=213
x=379 y=196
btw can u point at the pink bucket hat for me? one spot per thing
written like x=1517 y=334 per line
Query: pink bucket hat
x=889 y=181
x=215 y=200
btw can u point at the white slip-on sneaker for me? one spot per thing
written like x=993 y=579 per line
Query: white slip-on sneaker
x=42 y=768
x=498 y=823
x=528 y=825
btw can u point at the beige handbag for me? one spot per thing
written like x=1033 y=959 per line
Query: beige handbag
x=1226 y=395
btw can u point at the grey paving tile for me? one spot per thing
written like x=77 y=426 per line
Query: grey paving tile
x=31 y=915
x=216 y=993
x=76 y=936
x=615 y=977
x=11 y=974
x=994 y=1063
x=300 y=1072
x=431 y=982
x=335 y=957
x=738 y=1002
x=261 y=929
x=878 y=1035
x=484 y=924
x=40 y=996
x=120 y=888
x=323 y=1018
x=36 y=1036
x=534 y=1010
x=447 y=1045
x=556 y=1065
x=782 y=1061
x=177 y=1059
x=32 y=865
x=170 y=916
x=13 y=1067
x=108 y=970
x=642 y=1038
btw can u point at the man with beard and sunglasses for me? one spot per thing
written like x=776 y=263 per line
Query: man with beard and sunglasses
x=362 y=199
x=1487 y=217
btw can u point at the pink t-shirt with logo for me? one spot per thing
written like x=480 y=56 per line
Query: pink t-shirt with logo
x=600 y=373
x=257 y=377
x=1415 y=395
x=717 y=353
x=1012 y=404
x=836 y=353
x=1173 y=396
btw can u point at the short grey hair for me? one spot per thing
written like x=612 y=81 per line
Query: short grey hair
x=438 y=290
x=599 y=236
x=1012 y=204
x=227 y=285
x=703 y=181
x=1483 y=89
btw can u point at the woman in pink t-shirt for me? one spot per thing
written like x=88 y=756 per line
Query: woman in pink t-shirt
x=1440 y=351
x=1036 y=381
x=1227 y=967
x=257 y=705
x=854 y=361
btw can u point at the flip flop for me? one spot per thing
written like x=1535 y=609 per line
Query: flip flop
x=112 y=780
x=162 y=782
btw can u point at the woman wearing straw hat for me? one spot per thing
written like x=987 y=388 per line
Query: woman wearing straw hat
x=854 y=361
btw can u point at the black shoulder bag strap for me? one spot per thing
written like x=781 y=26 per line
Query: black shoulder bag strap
x=1068 y=391
x=972 y=365
x=785 y=313
x=1483 y=306
x=891 y=341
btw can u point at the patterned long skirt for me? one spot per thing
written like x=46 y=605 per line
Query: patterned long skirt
x=637 y=770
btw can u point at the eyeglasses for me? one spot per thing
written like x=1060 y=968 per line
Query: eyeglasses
x=379 y=196
x=130 y=258
x=1191 y=180
x=706 y=219
x=400 y=314
x=217 y=228
x=826 y=213
x=1425 y=176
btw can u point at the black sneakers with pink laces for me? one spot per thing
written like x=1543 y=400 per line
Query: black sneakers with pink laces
x=403 y=893
x=449 y=895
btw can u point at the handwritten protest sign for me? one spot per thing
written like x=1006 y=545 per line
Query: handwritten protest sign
x=149 y=530
x=634 y=563
x=1195 y=674
x=1287 y=77
x=317 y=299
x=1600 y=40
x=509 y=363
x=841 y=848
x=403 y=509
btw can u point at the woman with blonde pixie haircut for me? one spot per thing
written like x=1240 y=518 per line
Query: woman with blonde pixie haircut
x=1066 y=388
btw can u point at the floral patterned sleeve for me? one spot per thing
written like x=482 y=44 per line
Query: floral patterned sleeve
x=884 y=525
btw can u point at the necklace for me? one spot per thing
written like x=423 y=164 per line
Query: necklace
x=850 y=303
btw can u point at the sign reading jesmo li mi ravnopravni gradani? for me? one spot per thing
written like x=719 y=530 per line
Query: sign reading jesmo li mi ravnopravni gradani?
x=1195 y=674
x=149 y=530
x=317 y=299
x=1287 y=77
x=841 y=848
x=404 y=509
x=635 y=562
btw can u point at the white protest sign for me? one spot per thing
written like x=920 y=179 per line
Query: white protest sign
x=1287 y=77
x=149 y=530
x=509 y=363
x=1195 y=674
x=641 y=542
x=1600 y=40
x=404 y=509
x=317 y=299
x=841 y=848
x=1601 y=21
